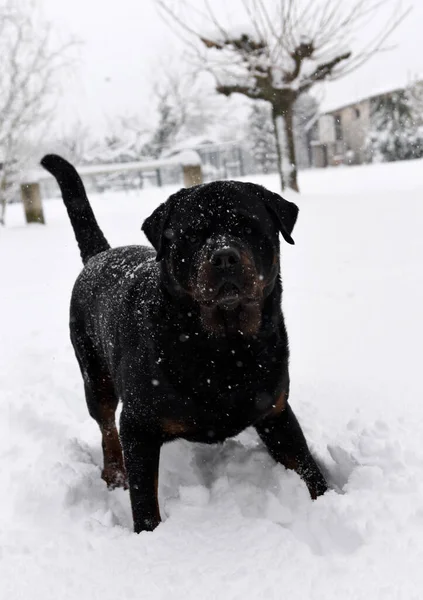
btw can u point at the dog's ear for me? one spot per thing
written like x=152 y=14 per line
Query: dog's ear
x=285 y=212
x=154 y=228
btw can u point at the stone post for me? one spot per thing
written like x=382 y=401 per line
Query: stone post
x=192 y=175
x=31 y=199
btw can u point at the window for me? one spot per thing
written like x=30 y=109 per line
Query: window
x=338 y=127
x=357 y=113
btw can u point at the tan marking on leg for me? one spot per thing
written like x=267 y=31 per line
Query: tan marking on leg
x=279 y=406
x=173 y=427
x=113 y=473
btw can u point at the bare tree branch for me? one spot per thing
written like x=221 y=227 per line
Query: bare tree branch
x=323 y=71
x=227 y=90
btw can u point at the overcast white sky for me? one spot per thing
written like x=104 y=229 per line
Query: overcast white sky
x=125 y=41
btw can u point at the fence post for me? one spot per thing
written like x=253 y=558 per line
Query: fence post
x=31 y=199
x=192 y=175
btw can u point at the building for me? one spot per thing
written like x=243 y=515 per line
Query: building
x=340 y=136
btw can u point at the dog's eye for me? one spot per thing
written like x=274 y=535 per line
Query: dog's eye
x=248 y=230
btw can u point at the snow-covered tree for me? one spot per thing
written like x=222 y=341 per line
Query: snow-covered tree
x=30 y=64
x=185 y=107
x=76 y=144
x=168 y=125
x=395 y=134
x=415 y=98
x=261 y=138
x=306 y=110
x=280 y=50
x=261 y=132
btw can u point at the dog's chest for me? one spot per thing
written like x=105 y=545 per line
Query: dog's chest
x=214 y=414
x=218 y=369
x=215 y=394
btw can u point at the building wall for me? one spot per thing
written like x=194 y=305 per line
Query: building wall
x=355 y=126
x=302 y=151
x=319 y=157
x=346 y=143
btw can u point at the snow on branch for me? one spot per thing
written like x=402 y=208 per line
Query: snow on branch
x=295 y=42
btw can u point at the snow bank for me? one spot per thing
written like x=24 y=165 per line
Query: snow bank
x=236 y=526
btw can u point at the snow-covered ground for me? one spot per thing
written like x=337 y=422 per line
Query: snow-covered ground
x=236 y=525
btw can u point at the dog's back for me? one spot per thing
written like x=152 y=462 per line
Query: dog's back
x=119 y=281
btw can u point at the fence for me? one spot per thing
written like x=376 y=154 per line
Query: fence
x=188 y=162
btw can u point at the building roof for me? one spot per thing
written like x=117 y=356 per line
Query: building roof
x=359 y=100
x=380 y=75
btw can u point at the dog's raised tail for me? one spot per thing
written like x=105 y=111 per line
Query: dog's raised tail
x=89 y=236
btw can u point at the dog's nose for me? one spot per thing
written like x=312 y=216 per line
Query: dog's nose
x=225 y=258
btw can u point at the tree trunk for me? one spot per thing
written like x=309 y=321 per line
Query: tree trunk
x=3 y=200
x=284 y=135
x=2 y=209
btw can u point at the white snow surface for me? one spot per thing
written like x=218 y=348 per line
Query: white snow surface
x=236 y=525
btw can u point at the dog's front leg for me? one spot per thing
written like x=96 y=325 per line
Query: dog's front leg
x=141 y=452
x=286 y=443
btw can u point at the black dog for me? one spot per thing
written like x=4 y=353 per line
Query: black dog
x=190 y=336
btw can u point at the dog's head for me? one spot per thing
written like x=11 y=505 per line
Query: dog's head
x=219 y=244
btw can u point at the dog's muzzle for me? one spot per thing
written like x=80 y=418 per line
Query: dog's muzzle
x=227 y=272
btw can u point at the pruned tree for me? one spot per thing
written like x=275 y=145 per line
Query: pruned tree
x=284 y=49
x=261 y=138
x=30 y=64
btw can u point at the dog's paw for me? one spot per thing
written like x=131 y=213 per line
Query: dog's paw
x=114 y=477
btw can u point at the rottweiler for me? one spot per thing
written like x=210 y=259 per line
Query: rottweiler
x=190 y=335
